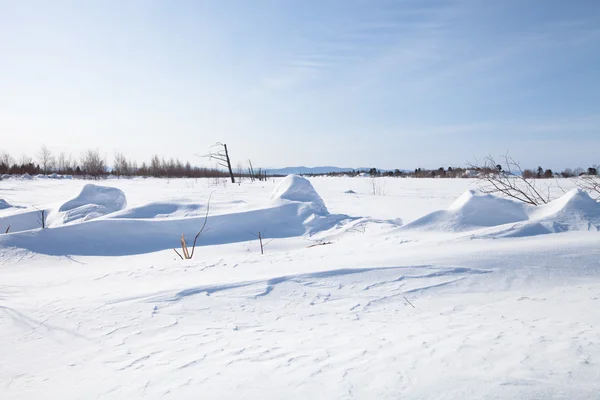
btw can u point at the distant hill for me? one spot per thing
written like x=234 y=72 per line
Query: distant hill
x=311 y=170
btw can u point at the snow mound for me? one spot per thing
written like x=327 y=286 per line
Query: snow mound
x=94 y=201
x=350 y=191
x=294 y=210
x=162 y=210
x=26 y=176
x=471 y=210
x=574 y=211
x=574 y=202
x=4 y=204
x=294 y=188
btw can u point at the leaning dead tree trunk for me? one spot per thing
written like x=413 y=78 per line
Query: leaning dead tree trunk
x=222 y=156
x=228 y=163
x=251 y=169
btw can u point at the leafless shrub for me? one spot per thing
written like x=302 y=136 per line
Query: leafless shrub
x=376 y=188
x=360 y=227
x=42 y=217
x=590 y=184
x=319 y=244
x=186 y=254
x=260 y=240
x=508 y=179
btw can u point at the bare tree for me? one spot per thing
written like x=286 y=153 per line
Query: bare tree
x=155 y=166
x=251 y=170
x=92 y=164
x=6 y=161
x=63 y=164
x=510 y=181
x=120 y=165
x=240 y=171
x=222 y=157
x=26 y=160
x=46 y=159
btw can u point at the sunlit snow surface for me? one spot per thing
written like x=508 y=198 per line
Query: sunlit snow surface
x=429 y=290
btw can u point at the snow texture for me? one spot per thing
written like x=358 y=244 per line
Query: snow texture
x=476 y=298
x=4 y=204
x=92 y=202
x=470 y=211
x=294 y=188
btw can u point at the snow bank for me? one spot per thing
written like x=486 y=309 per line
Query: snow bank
x=294 y=188
x=94 y=201
x=574 y=211
x=162 y=210
x=496 y=217
x=470 y=211
x=21 y=220
x=294 y=209
x=126 y=236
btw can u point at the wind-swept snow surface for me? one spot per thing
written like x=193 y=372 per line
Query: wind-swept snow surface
x=4 y=204
x=467 y=301
x=297 y=189
x=94 y=201
x=295 y=209
x=470 y=211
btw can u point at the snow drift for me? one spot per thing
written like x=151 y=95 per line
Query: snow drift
x=294 y=209
x=294 y=188
x=92 y=202
x=161 y=210
x=492 y=216
x=470 y=211
x=4 y=204
x=574 y=211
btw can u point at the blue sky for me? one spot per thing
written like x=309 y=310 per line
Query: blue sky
x=392 y=84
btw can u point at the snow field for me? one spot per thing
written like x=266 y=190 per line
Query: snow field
x=458 y=302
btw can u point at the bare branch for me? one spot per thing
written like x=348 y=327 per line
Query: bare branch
x=590 y=184
x=180 y=256
x=509 y=180
x=203 y=225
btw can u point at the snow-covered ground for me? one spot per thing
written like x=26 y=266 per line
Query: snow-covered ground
x=425 y=290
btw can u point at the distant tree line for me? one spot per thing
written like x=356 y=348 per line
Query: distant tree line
x=466 y=172
x=91 y=164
